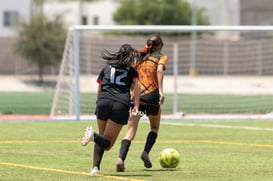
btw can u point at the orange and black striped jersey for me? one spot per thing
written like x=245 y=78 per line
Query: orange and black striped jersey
x=147 y=71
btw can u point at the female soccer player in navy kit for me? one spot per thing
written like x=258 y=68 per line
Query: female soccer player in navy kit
x=112 y=110
x=151 y=70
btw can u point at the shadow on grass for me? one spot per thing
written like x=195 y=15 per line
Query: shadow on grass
x=127 y=174
x=145 y=172
x=45 y=84
x=163 y=170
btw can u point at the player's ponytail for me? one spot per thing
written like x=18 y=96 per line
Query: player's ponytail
x=152 y=43
x=146 y=49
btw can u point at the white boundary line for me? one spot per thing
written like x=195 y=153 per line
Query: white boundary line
x=183 y=116
x=218 y=126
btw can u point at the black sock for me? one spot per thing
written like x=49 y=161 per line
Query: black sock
x=102 y=141
x=125 y=145
x=150 y=141
x=97 y=156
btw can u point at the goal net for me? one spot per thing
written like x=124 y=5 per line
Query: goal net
x=213 y=71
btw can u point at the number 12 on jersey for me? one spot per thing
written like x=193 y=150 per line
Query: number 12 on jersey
x=117 y=75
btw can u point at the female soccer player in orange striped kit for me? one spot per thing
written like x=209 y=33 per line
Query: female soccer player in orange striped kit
x=150 y=68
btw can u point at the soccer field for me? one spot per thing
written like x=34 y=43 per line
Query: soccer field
x=210 y=150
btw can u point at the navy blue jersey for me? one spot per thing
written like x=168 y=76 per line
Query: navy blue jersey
x=116 y=83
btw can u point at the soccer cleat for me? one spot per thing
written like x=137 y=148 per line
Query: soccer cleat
x=145 y=158
x=95 y=171
x=120 y=165
x=88 y=135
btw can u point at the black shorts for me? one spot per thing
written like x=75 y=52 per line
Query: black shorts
x=149 y=103
x=149 y=109
x=110 y=109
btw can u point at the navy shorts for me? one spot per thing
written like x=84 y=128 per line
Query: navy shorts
x=114 y=110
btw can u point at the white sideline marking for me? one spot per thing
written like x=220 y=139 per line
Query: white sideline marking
x=219 y=126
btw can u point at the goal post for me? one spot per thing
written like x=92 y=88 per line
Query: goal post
x=233 y=55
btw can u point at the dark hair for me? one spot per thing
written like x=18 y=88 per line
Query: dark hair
x=124 y=57
x=152 y=43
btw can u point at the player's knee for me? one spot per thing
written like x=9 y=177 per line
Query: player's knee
x=109 y=147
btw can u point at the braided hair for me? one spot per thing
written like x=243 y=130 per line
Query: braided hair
x=123 y=58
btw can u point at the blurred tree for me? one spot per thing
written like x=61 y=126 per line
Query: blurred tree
x=157 y=12
x=41 y=40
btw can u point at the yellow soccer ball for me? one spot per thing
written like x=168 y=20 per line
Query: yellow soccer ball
x=169 y=158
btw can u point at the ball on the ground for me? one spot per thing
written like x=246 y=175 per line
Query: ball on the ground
x=169 y=158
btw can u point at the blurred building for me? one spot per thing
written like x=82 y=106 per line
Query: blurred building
x=74 y=13
x=10 y=12
x=84 y=13
x=220 y=12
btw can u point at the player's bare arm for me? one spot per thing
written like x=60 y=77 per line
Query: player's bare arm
x=160 y=75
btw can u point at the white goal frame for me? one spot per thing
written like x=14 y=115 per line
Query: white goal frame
x=153 y=28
